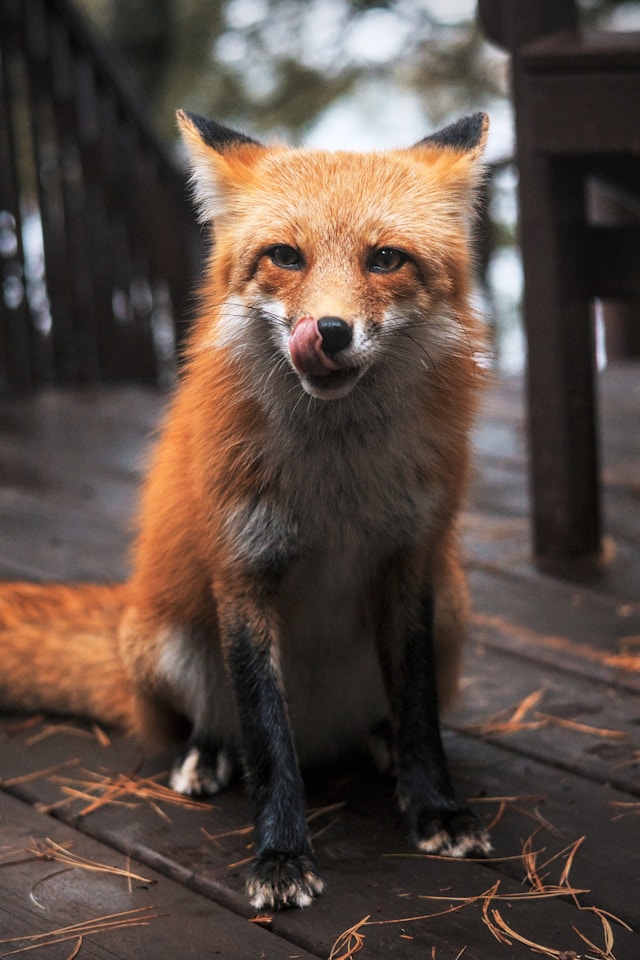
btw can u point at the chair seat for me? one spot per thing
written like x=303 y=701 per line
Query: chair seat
x=584 y=50
x=580 y=93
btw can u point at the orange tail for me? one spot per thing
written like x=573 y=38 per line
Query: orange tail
x=59 y=652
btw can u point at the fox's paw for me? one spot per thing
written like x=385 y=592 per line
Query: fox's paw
x=279 y=880
x=452 y=833
x=201 y=773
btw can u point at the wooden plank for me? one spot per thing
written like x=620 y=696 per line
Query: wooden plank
x=496 y=531
x=495 y=685
x=84 y=548
x=39 y=896
x=363 y=852
x=70 y=469
x=558 y=624
x=597 y=51
x=570 y=115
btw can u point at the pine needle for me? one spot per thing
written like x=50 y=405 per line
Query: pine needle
x=49 y=850
x=512 y=720
x=627 y=808
x=99 y=790
x=39 y=774
x=540 y=888
x=503 y=926
x=54 y=729
x=76 y=950
x=350 y=942
x=554 y=721
x=114 y=921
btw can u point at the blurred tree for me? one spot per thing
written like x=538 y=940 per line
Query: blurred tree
x=277 y=64
x=390 y=68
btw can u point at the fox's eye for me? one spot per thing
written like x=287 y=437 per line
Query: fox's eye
x=285 y=256
x=386 y=260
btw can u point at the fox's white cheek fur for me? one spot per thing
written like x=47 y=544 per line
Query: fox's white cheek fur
x=232 y=325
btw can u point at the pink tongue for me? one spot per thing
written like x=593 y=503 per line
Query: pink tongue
x=307 y=354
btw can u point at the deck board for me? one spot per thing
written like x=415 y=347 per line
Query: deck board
x=37 y=898
x=70 y=464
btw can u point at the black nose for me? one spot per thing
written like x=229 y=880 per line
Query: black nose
x=336 y=334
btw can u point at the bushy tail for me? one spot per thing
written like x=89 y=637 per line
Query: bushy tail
x=59 y=652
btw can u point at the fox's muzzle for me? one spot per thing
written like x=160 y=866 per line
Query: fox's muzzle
x=314 y=344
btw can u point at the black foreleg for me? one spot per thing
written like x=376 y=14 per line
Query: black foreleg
x=284 y=871
x=439 y=823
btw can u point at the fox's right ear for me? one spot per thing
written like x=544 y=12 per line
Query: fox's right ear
x=211 y=148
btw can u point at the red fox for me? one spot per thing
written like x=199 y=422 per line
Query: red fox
x=296 y=572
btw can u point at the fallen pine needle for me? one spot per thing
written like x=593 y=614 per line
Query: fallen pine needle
x=350 y=942
x=114 y=921
x=502 y=925
x=76 y=950
x=321 y=811
x=581 y=727
x=49 y=850
x=548 y=893
x=441 y=856
x=53 y=729
x=627 y=808
x=237 y=832
x=38 y=774
x=103 y=789
x=512 y=720
x=526 y=705
x=524 y=798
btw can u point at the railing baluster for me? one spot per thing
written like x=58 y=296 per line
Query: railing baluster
x=119 y=242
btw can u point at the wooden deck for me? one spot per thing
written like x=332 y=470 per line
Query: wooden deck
x=546 y=739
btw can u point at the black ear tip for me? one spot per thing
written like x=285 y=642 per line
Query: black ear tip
x=465 y=134
x=214 y=134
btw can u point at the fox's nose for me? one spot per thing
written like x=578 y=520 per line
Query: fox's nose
x=336 y=334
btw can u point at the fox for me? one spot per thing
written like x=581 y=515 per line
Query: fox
x=297 y=590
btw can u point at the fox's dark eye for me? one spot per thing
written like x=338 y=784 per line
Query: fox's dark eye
x=285 y=256
x=386 y=260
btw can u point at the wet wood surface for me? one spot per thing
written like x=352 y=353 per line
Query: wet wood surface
x=545 y=740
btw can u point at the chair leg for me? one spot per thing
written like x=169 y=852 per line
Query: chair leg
x=561 y=361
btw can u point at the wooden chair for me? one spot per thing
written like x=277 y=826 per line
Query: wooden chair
x=576 y=96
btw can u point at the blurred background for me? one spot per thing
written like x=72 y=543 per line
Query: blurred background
x=360 y=74
x=97 y=246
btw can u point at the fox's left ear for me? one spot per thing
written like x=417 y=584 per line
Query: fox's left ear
x=467 y=135
x=217 y=155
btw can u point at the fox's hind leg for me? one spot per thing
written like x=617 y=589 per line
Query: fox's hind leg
x=179 y=670
x=203 y=769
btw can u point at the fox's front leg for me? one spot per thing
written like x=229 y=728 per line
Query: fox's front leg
x=439 y=823
x=284 y=872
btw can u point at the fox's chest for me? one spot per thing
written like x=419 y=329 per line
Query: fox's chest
x=362 y=495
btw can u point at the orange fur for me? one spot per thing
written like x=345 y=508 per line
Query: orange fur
x=97 y=651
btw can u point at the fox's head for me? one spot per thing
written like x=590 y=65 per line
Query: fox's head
x=338 y=267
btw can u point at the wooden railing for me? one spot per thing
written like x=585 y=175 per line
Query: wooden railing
x=98 y=244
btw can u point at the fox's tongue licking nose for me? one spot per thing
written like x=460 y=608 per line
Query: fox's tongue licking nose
x=306 y=349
